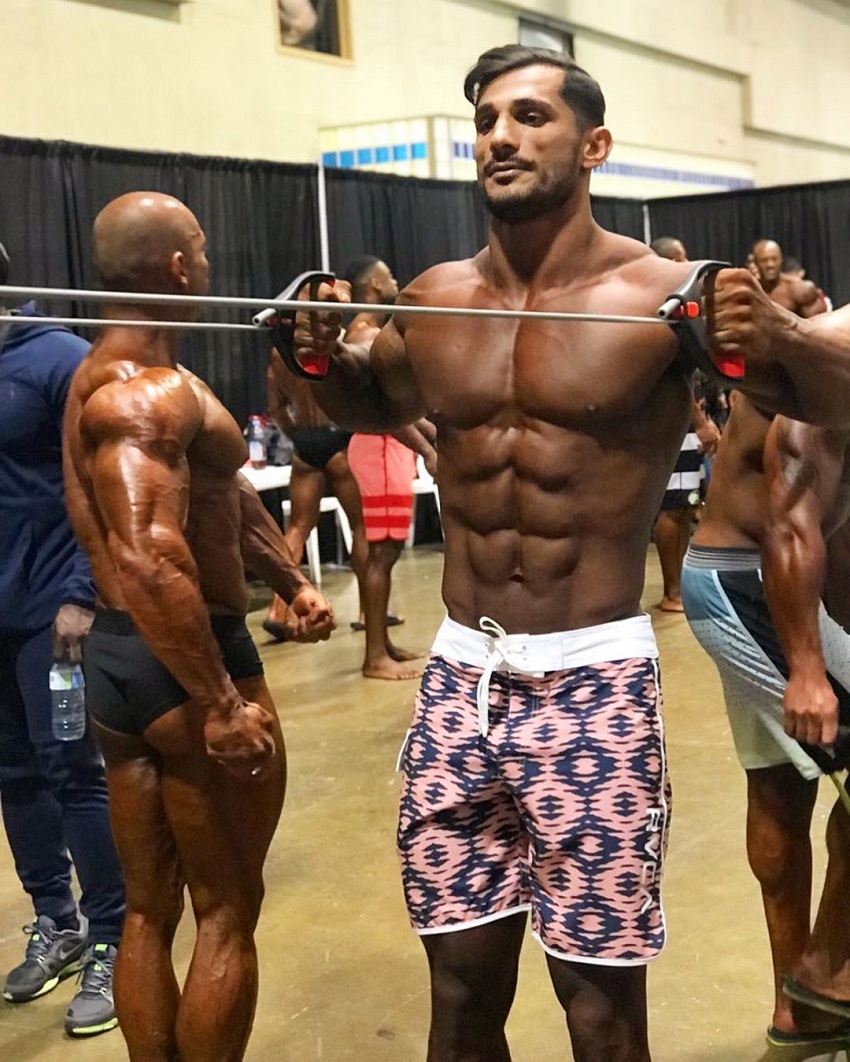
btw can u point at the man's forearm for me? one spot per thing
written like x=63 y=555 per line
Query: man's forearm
x=815 y=354
x=161 y=593
x=793 y=563
x=352 y=397
x=263 y=547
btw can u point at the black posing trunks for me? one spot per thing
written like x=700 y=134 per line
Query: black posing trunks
x=127 y=687
x=316 y=446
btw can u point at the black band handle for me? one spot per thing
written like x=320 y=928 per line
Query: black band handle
x=683 y=309
x=282 y=324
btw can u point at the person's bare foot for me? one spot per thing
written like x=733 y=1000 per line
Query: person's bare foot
x=395 y=652
x=392 y=621
x=671 y=604
x=387 y=668
x=790 y=1017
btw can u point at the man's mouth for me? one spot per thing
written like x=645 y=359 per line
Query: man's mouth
x=506 y=168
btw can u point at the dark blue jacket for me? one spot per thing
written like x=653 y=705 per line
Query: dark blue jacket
x=41 y=565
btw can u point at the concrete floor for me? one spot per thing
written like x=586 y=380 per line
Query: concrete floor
x=342 y=977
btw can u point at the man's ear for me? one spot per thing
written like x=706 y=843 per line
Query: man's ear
x=597 y=147
x=177 y=269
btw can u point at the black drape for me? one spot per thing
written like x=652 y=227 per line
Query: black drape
x=261 y=221
x=411 y=223
x=623 y=216
x=810 y=222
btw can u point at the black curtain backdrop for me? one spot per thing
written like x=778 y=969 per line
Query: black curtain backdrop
x=261 y=221
x=412 y=223
x=623 y=216
x=809 y=221
x=262 y=224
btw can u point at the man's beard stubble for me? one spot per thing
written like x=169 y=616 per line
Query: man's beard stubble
x=527 y=206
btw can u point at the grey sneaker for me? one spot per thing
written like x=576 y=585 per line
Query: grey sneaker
x=92 y=1009
x=51 y=955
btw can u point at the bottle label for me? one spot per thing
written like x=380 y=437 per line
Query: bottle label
x=256 y=450
x=66 y=678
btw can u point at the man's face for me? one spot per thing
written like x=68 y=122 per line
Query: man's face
x=197 y=263
x=528 y=146
x=768 y=260
x=678 y=252
x=385 y=284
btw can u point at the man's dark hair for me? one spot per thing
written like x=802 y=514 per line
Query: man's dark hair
x=664 y=245
x=357 y=273
x=790 y=264
x=4 y=265
x=579 y=91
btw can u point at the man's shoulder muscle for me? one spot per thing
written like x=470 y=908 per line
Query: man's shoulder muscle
x=153 y=408
x=432 y=285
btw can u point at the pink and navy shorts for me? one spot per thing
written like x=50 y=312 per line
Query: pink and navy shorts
x=535 y=778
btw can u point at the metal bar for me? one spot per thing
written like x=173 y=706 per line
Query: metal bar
x=324 y=238
x=102 y=322
x=136 y=297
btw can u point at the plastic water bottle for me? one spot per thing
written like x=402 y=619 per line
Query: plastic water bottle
x=68 y=699
x=257 y=442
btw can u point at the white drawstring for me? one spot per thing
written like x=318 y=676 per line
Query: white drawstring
x=501 y=651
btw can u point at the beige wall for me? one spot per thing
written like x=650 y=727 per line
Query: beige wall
x=751 y=88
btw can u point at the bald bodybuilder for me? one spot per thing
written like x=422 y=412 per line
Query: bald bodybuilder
x=539 y=707
x=789 y=290
x=194 y=756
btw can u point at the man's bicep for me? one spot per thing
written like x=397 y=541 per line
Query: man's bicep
x=803 y=465
x=136 y=436
x=393 y=372
x=810 y=301
x=139 y=496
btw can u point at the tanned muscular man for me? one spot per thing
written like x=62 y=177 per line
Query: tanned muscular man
x=555 y=443
x=793 y=292
x=194 y=756
x=751 y=584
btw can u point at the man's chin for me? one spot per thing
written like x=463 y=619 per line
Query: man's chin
x=514 y=209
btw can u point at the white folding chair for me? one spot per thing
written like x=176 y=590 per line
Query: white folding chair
x=423 y=484
x=328 y=504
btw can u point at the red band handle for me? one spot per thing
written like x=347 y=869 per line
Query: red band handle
x=731 y=365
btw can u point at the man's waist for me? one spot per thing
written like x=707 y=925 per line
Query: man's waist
x=722 y=558
x=623 y=639
x=119 y=621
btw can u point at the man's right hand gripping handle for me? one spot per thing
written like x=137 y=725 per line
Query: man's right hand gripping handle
x=685 y=311
x=308 y=341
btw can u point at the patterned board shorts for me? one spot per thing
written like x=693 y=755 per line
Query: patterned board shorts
x=561 y=809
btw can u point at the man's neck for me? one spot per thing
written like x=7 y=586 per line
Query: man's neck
x=546 y=251
x=145 y=343
x=770 y=285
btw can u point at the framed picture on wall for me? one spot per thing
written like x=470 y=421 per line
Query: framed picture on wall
x=317 y=26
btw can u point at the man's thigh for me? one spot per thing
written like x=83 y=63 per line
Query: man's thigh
x=222 y=824
x=143 y=836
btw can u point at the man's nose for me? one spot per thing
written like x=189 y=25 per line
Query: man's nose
x=504 y=133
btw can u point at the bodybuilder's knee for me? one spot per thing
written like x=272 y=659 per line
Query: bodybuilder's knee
x=156 y=907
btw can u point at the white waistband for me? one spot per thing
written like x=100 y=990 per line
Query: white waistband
x=538 y=653
x=493 y=649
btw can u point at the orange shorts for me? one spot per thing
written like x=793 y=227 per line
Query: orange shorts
x=384 y=469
